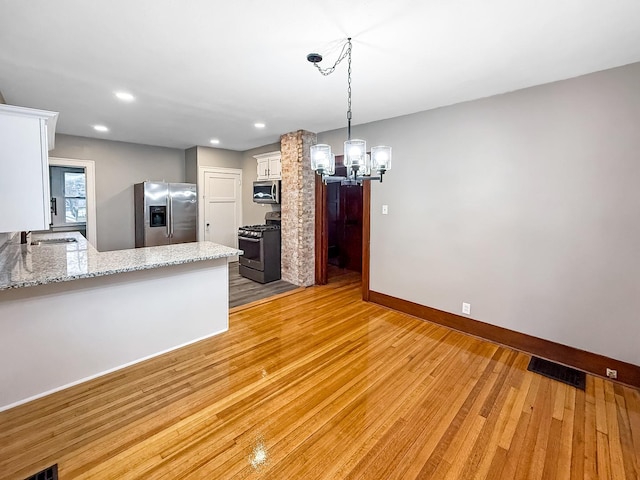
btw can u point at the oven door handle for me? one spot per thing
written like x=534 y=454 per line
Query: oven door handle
x=254 y=240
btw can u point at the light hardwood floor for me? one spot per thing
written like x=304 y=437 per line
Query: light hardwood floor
x=319 y=384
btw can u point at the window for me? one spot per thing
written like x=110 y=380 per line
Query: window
x=75 y=197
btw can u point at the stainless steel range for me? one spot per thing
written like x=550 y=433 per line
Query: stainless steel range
x=261 y=245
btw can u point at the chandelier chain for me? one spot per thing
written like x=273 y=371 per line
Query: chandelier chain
x=346 y=51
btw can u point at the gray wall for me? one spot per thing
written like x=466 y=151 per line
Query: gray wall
x=191 y=165
x=253 y=213
x=525 y=205
x=118 y=166
x=217 y=157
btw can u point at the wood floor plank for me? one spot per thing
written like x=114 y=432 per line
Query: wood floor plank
x=470 y=439
x=413 y=436
x=493 y=411
x=613 y=437
x=603 y=465
x=497 y=465
x=445 y=437
x=578 y=437
x=529 y=456
x=590 y=458
x=491 y=449
x=536 y=469
x=512 y=458
x=626 y=436
x=601 y=406
x=514 y=416
x=632 y=403
x=320 y=385
x=498 y=417
x=552 y=450
x=566 y=446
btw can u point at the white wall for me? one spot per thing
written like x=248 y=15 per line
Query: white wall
x=525 y=205
x=119 y=166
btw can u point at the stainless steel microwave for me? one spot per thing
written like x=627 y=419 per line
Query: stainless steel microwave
x=267 y=191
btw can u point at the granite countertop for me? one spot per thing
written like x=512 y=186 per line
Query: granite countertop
x=30 y=265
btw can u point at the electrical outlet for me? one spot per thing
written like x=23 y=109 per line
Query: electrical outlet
x=385 y=209
x=612 y=373
x=466 y=308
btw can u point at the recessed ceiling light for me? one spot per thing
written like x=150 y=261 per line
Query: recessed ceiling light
x=125 y=96
x=100 y=128
x=215 y=141
x=259 y=125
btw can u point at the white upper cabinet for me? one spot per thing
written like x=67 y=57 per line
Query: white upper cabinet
x=269 y=166
x=26 y=136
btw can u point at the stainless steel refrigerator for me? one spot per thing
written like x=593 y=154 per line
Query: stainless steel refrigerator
x=165 y=213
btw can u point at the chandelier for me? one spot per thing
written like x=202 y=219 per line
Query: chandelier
x=359 y=163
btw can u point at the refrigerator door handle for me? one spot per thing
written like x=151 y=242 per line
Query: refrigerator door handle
x=168 y=203
x=171 y=215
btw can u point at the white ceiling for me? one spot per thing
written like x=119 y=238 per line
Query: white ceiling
x=203 y=68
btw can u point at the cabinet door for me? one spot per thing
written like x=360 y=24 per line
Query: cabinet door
x=263 y=169
x=275 y=167
x=24 y=173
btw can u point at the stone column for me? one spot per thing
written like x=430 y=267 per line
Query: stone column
x=298 y=208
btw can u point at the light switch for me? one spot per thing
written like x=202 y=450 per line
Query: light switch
x=385 y=209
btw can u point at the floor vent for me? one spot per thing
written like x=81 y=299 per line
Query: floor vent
x=49 y=473
x=558 y=372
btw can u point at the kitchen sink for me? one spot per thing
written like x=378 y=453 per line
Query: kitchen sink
x=54 y=241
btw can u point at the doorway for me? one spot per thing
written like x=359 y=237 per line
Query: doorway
x=74 y=204
x=68 y=191
x=221 y=198
x=344 y=227
x=342 y=230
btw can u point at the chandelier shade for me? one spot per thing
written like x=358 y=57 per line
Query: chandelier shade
x=355 y=154
x=381 y=158
x=322 y=160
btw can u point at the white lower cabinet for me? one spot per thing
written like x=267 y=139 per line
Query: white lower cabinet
x=26 y=136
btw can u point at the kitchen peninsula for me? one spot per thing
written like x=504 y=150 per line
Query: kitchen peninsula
x=69 y=313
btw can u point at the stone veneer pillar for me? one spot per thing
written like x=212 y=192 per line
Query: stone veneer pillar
x=298 y=208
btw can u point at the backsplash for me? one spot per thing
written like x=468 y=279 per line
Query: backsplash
x=4 y=238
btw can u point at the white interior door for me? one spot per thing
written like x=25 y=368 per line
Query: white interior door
x=222 y=206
